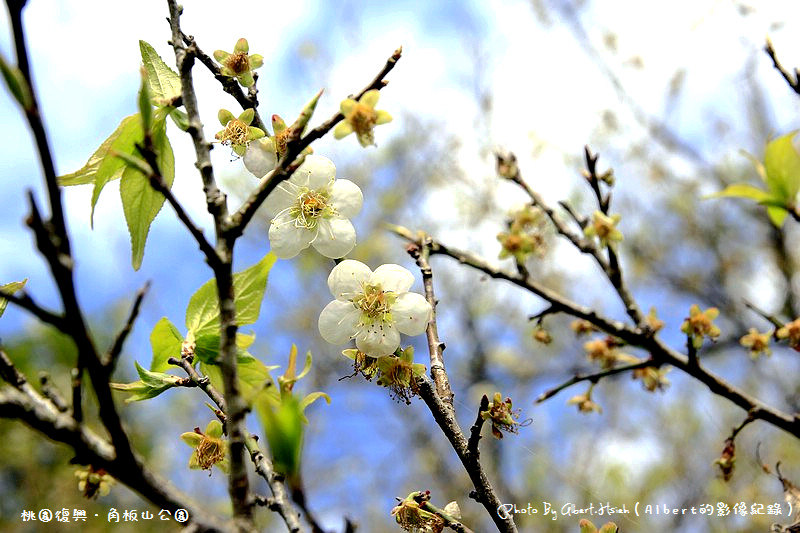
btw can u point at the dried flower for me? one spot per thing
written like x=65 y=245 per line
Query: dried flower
x=503 y=417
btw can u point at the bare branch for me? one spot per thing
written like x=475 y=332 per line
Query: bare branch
x=641 y=337
x=475 y=430
x=420 y=252
x=484 y=493
x=26 y=302
x=792 y=80
x=594 y=378
x=110 y=360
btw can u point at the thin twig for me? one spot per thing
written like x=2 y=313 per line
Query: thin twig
x=110 y=360
x=50 y=392
x=594 y=378
x=420 y=252
x=475 y=430
x=25 y=301
x=793 y=81
x=641 y=337
x=279 y=502
x=484 y=492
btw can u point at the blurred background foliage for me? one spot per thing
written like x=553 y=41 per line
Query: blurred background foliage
x=670 y=132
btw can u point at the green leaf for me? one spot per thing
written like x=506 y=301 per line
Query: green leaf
x=17 y=84
x=202 y=313
x=180 y=119
x=206 y=348
x=10 y=288
x=88 y=173
x=150 y=385
x=166 y=342
x=140 y=202
x=112 y=167
x=742 y=190
x=283 y=427
x=313 y=397
x=782 y=164
x=777 y=215
x=165 y=84
x=144 y=103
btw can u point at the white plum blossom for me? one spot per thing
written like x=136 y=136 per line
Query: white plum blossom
x=372 y=307
x=261 y=156
x=313 y=208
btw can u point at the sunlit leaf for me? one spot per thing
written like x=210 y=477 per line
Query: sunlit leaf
x=166 y=341
x=10 y=288
x=165 y=84
x=140 y=202
x=202 y=313
x=16 y=83
x=283 y=427
x=110 y=168
x=782 y=165
x=88 y=172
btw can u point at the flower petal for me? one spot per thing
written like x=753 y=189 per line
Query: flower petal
x=347 y=106
x=348 y=278
x=378 y=339
x=241 y=46
x=411 y=313
x=370 y=98
x=316 y=172
x=283 y=197
x=383 y=117
x=338 y=321
x=346 y=198
x=335 y=237
x=342 y=130
x=286 y=239
x=393 y=278
x=260 y=157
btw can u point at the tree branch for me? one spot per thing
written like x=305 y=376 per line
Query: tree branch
x=238 y=483
x=484 y=493
x=420 y=252
x=110 y=360
x=91 y=449
x=286 y=166
x=793 y=81
x=594 y=378
x=641 y=337
x=279 y=502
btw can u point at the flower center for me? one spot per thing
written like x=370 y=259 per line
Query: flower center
x=209 y=452
x=235 y=132
x=238 y=62
x=310 y=207
x=375 y=304
x=363 y=119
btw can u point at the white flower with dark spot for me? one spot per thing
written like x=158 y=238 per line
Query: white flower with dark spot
x=374 y=308
x=313 y=208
